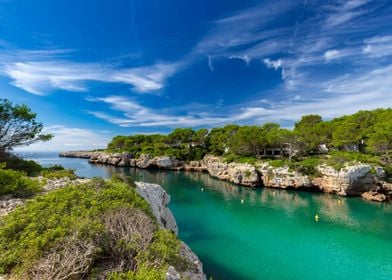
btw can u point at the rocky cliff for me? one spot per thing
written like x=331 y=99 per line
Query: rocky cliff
x=353 y=180
x=158 y=200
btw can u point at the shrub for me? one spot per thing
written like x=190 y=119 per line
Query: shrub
x=57 y=172
x=239 y=159
x=69 y=258
x=307 y=166
x=103 y=228
x=17 y=184
x=31 y=168
x=353 y=157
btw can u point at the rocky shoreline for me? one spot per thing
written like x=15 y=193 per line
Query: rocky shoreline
x=354 y=180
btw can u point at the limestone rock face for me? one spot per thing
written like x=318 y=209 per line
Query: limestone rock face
x=158 y=200
x=143 y=161
x=77 y=154
x=374 y=196
x=195 y=270
x=351 y=180
x=283 y=178
x=164 y=162
x=196 y=165
x=238 y=173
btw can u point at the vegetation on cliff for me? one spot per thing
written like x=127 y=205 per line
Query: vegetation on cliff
x=365 y=136
x=100 y=229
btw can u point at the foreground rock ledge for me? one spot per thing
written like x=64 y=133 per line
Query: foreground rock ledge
x=354 y=180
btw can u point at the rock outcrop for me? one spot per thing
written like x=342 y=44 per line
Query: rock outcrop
x=194 y=271
x=349 y=181
x=283 y=178
x=158 y=200
x=238 y=173
x=374 y=196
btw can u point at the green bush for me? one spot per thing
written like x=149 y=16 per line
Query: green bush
x=278 y=163
x=17 y=184
x=338 y=159
x=307 y=166
x=49 y=225
x=57 y=172
x=30 y=167
x=239 y=159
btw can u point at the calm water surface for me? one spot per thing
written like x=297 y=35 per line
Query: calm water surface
x=241 y=233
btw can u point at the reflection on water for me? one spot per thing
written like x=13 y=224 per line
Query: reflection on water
x=244 y=233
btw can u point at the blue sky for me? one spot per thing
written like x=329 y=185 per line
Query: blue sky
x=92 y=69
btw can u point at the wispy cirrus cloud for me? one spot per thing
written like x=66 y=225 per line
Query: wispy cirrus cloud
x=343 y=95
x=345 y=11
x=133 y=115
x=39 y=72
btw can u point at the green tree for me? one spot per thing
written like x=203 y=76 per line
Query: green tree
x=181 y=136
x=346 y=134
x=200 y=137
x=18 y=126
x=248 y=141
x=308 y=131
x=380 y=141
x=292 y=142
x=219 y=138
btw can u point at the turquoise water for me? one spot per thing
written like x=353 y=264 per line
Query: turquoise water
x=242 y=233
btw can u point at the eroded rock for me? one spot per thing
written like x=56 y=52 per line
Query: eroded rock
x=158 y=200
x=374 y=196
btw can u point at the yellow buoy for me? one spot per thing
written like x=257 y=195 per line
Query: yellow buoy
x=202 y=189
x=340 y=202
x=242 y=201
x=316 y=218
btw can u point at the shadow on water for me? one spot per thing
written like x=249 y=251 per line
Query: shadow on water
x=218 y=271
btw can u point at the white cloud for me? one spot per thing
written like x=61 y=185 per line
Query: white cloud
x=337 y=97
x=210 y=65
x=276 y=64
x=345 y=12
x=70 y=138
x=40 y=72
x=136 y=115
x=244 y=57
x=331 y=54
x=244 y=29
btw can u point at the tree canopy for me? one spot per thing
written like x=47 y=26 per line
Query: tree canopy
x=365 y=132
x=18 y=126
